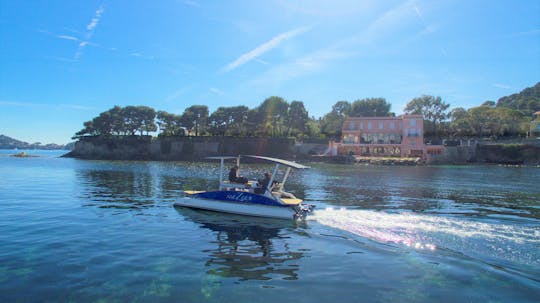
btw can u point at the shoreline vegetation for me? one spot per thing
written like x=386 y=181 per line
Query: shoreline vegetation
x=513 y=116
x=282 y=129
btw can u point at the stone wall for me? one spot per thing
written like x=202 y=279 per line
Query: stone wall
x=515 y=154
x=178 y=148
x=455 y=155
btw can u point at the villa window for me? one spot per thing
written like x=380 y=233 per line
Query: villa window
x=412 y=123
x=381 y=125
x=392 y=125
x=369 y=125
x=351 y=126
x=361 y=125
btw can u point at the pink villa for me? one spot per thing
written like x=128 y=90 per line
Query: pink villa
x=401 y=136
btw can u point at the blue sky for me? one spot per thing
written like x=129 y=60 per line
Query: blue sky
x=64 y=62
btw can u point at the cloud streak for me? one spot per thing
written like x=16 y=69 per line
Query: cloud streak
x=43 y=105
x=91 y=27
x=263 y=48
x=503 y=86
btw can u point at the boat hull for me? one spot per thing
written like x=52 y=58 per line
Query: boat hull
x=258 y=210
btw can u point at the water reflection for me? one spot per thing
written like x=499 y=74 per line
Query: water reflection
x=117 y=189
x=471 y=191
x=134 y=186
x=247 y=248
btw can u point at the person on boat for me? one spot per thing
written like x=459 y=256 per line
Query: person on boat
x=263 y=184
x=233 y=176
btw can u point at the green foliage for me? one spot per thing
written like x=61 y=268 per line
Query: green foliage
x=271 y=116
x=121 y=121
x=433 y=109
x=297 y=118
x=331 y=124
x=195 y=118
x=527 y=101
x=486 y=121
x=170 y=124
x=230 y=121
x=370 y=107
x=275 y=117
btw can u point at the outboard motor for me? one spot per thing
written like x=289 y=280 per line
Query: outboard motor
x=302 y=210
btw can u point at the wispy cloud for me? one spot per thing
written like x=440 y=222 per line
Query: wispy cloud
x=94 y=22
x=263 y=48
x=140 y=55
x=191 y=3
x=217 y=91
x=66 y=37
x=177 y=94
x=90 y=29
x=386 y=23
x=503 y=86
x=44 y=105
x=307 y=64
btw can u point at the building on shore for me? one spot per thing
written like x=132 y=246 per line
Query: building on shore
x=401 y=136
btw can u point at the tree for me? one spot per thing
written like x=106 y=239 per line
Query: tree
x=332 y=123
x=132 y=119
x=229 y=121
x=147 y=116
x=486 y=121
x=297 y=117
x=238 y=116
x=432 y=108
x=169 y=124
x=370 y=107
x=527 y=101
x=195 y=117
x=271 y=115
x=312 y=128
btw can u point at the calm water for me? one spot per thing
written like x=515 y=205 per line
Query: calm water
x=101 y=231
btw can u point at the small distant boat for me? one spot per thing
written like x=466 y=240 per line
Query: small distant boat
x=250 y=198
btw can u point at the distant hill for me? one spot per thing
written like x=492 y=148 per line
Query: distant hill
x=527 y=101
x=10 y=143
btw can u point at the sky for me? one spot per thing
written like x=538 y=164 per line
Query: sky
x=64 y=62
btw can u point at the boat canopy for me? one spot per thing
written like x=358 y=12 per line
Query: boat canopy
x=279 y=161
x=275 y=160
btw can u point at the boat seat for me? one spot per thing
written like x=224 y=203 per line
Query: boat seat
x=193 y=192
x=291 y=201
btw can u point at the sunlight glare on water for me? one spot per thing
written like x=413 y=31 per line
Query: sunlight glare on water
x=427 y=232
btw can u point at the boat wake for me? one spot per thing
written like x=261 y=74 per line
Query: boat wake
x=427 y=232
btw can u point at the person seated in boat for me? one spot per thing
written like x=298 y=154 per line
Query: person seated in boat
x=233 y=176
x=263 y=184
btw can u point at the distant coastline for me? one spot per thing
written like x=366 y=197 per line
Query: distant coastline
x=11 y=143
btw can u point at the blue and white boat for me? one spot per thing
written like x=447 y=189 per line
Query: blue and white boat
x=249 y=198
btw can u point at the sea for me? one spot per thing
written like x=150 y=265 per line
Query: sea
x=107 y=231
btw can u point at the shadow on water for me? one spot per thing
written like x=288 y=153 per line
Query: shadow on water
x=247 y=248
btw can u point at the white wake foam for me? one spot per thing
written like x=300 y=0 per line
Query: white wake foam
x=421 y=231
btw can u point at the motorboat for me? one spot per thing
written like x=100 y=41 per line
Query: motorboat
x=251 y=198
